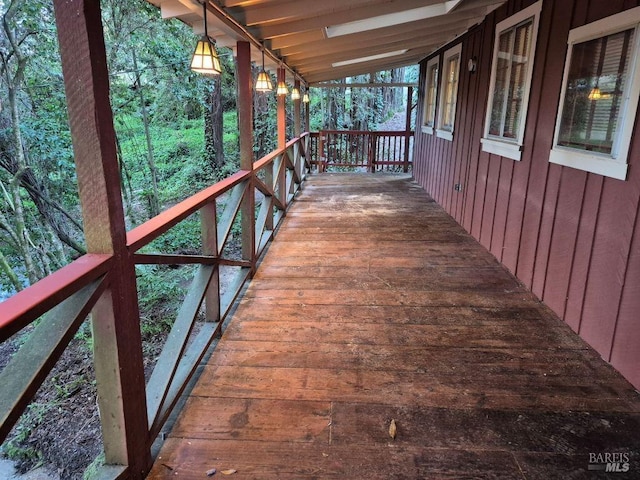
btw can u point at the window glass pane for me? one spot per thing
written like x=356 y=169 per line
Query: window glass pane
x=500 y=86
x=517 y=80
x=598 y=76
x=451 y=89
x=510 y=80
x=430 y=104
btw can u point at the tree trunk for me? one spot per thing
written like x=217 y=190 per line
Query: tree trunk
x=214 y=146
x=154 y=202
x=11 y=275
x=18 y=207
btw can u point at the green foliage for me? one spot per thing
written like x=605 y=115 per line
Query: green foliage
x=84 y=334
x=17 y=448
x=92 y=472
x=161 y=290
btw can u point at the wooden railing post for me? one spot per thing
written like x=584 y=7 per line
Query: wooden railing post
x=320 y=155
x=116 y=328
x=245 y=121
x=373 y=141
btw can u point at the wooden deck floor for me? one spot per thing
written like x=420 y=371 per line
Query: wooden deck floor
x=372 y=304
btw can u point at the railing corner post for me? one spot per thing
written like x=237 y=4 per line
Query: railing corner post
x=116 y=321
x=245 y=120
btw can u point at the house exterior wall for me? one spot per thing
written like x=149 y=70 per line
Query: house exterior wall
x=573 y=237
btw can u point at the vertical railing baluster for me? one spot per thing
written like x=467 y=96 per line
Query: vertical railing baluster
x=372 y=153
x=209 y=228
x=321 y=147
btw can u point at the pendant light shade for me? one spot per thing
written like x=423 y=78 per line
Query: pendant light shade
x=305 y=98
x=295 y=93
x=205 y=59
x=282 y=88
x=263 y=80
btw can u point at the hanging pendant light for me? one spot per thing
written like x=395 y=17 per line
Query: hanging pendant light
x=263 y=80
x=305 y=98
x=205 y=58
x=281 y=88
x=295 y=93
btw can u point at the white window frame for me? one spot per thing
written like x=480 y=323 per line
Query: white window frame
x=426 y=128
x=612 y=165
x=440 y=131
x=499 y=145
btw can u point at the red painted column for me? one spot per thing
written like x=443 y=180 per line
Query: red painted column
x=297 y=129
x=282 y=112
x=115 y=320
x=306 y=111
x=245 y=122
x=282 y=139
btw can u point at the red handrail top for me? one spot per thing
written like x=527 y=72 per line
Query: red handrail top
x=27 y=305
x=153 y=228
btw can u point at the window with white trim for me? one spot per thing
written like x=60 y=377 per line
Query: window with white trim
x=430 y=95
x=511 y=72
x=449 y=92
x=599 y=96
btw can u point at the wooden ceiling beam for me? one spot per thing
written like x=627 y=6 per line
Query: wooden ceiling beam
x=343 y=72
x=299 y=9
x=414 y=29
x=271 y=30
x=379 y=64
x=245 y=3
x=298 y=38
x=365 y=85
x=305 y=62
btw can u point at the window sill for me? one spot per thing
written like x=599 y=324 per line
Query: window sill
x=504 y=149
x=597 y=164
x=444 y=134
x=427 y=129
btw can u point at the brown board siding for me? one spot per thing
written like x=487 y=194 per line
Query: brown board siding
x=569 y=235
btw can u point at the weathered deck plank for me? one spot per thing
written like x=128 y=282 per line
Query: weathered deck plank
x=372 y=304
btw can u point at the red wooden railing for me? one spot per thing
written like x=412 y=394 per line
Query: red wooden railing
x=64 y=299
x=337 y=150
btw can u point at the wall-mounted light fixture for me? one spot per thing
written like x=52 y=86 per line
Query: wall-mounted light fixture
x=205 y=58
x=472 y=64
x=263 y=80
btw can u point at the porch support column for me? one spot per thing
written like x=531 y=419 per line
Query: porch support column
x=245 y=123
x=297 y=131
x=307 y=107
x=115 y=320
x=407 y=129
x=282 y=112
x=282 y=138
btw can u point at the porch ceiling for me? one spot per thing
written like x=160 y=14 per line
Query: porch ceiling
x=332 y=39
